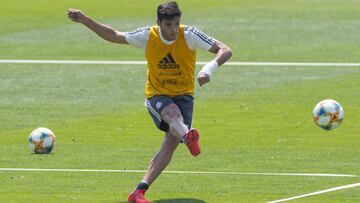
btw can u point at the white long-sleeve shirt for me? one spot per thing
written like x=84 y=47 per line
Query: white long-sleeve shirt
x=194 y=38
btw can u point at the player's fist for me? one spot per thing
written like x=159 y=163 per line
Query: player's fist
x=203 y=78
x=76 y=15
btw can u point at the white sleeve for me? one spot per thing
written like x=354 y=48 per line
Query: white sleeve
x=139 y=37
x=195 y=38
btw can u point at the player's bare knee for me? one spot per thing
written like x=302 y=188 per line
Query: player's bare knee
x=171 y=114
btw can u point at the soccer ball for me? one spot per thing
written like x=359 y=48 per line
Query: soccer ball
x=41 y=140
x=328 y=114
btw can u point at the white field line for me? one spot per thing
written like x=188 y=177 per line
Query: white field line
x=15 y=61
x=180 y=172
x=318 y=192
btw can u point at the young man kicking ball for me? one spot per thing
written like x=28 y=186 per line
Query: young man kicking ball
x=170 y=50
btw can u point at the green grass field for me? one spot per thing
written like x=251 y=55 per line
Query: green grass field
x=252 y=119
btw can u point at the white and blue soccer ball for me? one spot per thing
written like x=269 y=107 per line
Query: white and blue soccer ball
x=328 y=114
x=42 y=141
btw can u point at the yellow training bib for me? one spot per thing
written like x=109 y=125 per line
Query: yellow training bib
x=170 y=68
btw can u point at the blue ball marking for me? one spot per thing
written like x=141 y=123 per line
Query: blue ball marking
x=43 y=135
x=322 y=111
x=49 y=149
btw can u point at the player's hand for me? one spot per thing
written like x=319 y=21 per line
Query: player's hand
x=203 y=78
x=76 y=15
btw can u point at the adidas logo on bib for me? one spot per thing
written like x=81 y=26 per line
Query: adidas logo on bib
x=168 y=62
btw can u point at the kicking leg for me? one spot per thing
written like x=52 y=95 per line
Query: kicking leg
x=172 y=115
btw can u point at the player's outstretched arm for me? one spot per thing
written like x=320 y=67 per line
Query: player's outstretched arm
x=106 y=32
x=223 y=54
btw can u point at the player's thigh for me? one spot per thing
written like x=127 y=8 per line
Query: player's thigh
x=156 y=105
x=171 y=112
x=185 y=103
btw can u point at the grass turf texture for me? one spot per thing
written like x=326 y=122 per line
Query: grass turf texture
x=270 y=130
x=252 y=119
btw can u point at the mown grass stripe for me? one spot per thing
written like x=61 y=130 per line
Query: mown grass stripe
x=180 y=172
x=93 y=62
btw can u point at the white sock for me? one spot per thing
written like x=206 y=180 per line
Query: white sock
x=183 y=139
x=143 y=181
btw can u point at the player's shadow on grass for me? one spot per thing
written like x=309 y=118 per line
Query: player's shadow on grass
x=178 y=200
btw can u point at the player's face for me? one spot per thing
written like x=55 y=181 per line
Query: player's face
x=169 y=28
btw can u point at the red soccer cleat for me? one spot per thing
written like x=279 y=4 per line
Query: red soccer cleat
x=138 y=196
x=192 y=141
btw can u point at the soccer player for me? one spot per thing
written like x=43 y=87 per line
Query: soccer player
x=170 y=50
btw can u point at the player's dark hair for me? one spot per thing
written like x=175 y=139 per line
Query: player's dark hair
x=168 y=10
